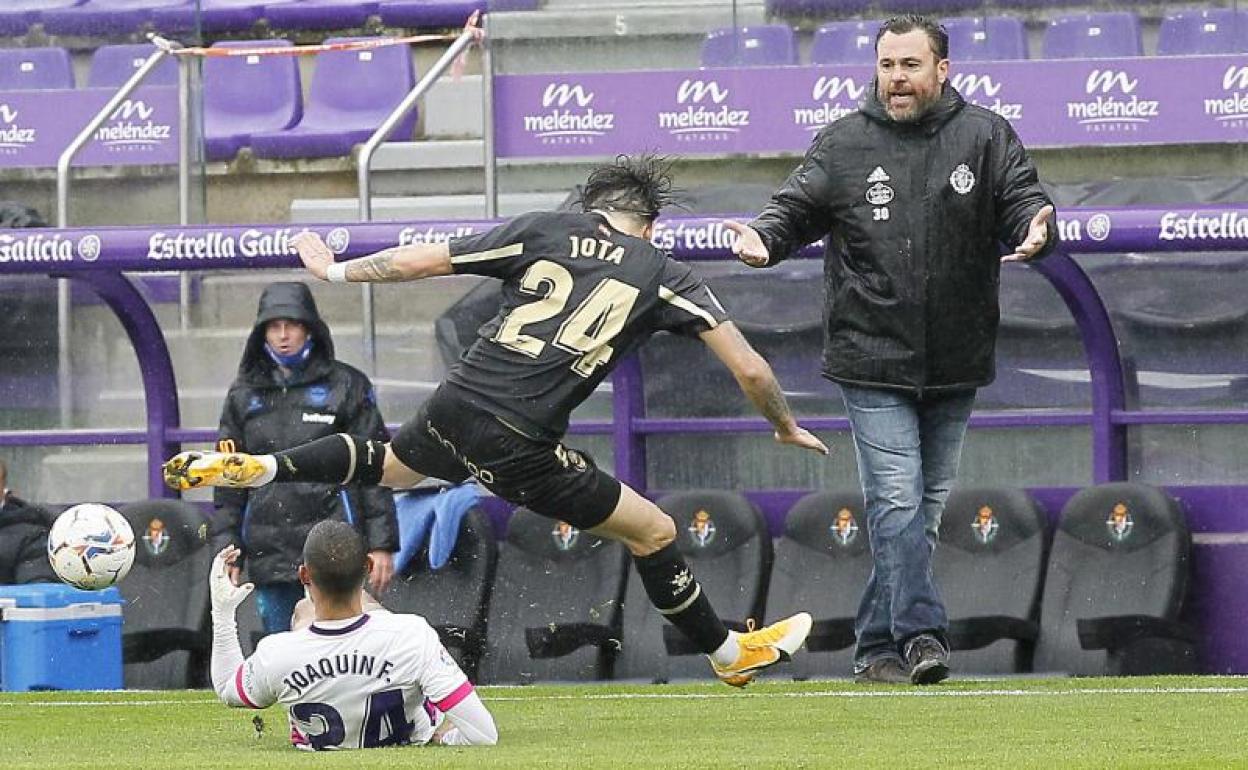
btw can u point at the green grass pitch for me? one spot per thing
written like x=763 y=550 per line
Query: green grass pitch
x=1018 y=723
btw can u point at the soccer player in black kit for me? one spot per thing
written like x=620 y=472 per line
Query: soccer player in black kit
x=580 y=290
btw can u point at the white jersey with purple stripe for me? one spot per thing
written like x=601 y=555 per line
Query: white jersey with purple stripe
x=379 y=679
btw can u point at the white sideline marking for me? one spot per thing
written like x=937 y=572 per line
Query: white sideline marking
x=931 y=693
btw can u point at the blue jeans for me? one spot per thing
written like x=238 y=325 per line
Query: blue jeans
x=276 y=603
x=908 y=451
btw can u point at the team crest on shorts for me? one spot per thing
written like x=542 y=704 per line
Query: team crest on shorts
x=565 y=535
x=702 y=530
x=962 y=180
x=879 y=194
x=1120 y=522
x=985 y=525
x=157 y=537
x=844 y=528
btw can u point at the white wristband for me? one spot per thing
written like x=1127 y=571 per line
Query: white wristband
x=336 y=273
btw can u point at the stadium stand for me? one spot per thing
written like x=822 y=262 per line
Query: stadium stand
x=455 y=598
x=113 y=65
x=1207 y=31
x=33 y=69
x=165 y=638
x=351 y=93
x=1093 y=36
x=816 y=7
x=320 y=14
x=17 y=15
x=1115 y=585
x=822 y=562
x=773 y=44
x=989 y=567
x=724 y=539
x=930 y=7
x=101 y=18
x=844 y=42
x=986 y=38
x=246 y=95
x=448 y=13
x=212 y=15
x=556 y=592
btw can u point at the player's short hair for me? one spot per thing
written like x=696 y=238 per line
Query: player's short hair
x=639 y=185
x=335 y=555
x=937 y=37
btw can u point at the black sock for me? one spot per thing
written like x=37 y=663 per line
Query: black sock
x=675 y=593
x=336 y=459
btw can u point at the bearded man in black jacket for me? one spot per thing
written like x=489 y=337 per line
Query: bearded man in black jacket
x=290 y=390
x=916 y=193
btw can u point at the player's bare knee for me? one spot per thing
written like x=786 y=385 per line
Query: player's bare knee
x=659 y=533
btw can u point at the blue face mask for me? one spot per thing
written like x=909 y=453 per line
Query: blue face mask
x=294 y=360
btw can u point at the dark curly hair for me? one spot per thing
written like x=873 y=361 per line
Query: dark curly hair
x=640 y=185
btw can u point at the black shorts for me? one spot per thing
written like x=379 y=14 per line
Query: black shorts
x=451 y=439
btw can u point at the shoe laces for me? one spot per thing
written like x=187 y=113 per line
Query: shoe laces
x=763 y=637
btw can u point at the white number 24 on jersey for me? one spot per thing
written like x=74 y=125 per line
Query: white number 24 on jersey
x=586 y=331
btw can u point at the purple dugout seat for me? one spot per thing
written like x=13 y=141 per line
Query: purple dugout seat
x=1216 y=30
x=35 y=69
x=17 y=15
x=1093 y=36
x=991 y=38
x=443 y=13
x=103 y=17
x=320 y=14
x=816 y=7
x=112 y=66
x=845 y=42
x=352 y=93
x=214 y=15
x=248 y=95
x=760 y=46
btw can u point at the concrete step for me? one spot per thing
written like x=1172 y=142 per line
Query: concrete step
x=103 y=474
x=422 y=208
x=453 y=109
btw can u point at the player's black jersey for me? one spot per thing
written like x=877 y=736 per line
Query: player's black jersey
x=577 y=296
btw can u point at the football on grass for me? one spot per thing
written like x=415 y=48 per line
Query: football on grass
x=91 y=546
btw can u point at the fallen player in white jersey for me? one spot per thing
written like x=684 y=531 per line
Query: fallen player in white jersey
x=351 y=678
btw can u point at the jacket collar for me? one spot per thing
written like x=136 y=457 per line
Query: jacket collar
x=949 y=104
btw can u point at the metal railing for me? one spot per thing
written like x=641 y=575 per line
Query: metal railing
x=364 y=172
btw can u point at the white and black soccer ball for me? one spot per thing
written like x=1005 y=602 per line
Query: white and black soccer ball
x=91 y=546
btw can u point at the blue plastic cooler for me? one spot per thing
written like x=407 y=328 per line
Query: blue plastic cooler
x=54 y=637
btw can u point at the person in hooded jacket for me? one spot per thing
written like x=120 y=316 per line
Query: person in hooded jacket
x=290 y=390
x=916 y=193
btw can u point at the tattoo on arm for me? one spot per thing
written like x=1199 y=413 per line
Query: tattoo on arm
x=771 y=402
x=378 y=268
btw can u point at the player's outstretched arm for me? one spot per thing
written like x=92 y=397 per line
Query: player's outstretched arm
x=401 y=263
x=227 y=656
x=758 y=382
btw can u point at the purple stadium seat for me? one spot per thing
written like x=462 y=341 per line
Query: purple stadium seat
x=991 y=38
x=103 y=17
x=16 y=16
x=750 y=46
x=214 y=15
x=1192 y=31
x=352 y=92
x=928 y=7
x=1093 y=36
x=1036 y=3
x=443 y=13
x=248 y=95
x=35 y=69
x=816 y=7
x=845 y=42
x=112 y=65
x=320 y=14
